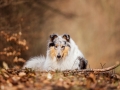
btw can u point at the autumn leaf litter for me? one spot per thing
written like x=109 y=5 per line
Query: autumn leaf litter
x=27 y=79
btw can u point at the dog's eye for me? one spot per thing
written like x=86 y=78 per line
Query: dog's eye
x=63 y=47
x=55 y=46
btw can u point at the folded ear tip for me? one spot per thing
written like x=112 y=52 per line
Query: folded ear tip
x=66 y=34
x=67 y=37
x=53 y=36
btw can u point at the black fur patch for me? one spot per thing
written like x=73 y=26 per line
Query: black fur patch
x=65 y=42
x=68 y=45
x=51 y=44
x=67 y=37
x=53 y=36
x=83 y=63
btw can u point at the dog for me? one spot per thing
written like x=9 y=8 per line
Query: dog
x=62 y=54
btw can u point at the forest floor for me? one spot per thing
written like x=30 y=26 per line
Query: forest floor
x=27 y=79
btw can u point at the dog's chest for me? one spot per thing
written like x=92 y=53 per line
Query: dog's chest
x=67 y=64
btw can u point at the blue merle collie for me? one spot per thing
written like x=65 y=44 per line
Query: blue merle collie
x=62 y=54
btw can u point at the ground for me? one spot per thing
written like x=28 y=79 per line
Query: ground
x=27 y=79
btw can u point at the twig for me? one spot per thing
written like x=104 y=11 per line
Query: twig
x=102 y=65
x=100 y=70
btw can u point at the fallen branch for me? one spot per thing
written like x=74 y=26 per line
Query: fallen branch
x=100 y=70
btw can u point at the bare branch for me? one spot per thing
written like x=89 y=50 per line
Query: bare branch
x=100 y=70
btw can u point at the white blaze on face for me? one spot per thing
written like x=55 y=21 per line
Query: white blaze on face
x=61 y=51
x=59 y=48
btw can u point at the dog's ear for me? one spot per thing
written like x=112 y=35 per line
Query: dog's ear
x=66 y=37
x=53 y=36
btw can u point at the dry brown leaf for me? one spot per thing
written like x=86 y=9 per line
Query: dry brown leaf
x=22 y=74
x=5 y=65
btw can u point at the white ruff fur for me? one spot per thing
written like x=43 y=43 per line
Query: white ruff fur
x=70 y=62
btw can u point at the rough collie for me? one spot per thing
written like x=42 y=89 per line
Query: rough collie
x=62 y=54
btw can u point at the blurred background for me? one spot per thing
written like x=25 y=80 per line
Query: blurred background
x=93 y=25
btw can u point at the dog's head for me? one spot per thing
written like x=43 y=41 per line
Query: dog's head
x=59 y=46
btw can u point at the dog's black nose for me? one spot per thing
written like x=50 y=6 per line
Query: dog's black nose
x=58 y=56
